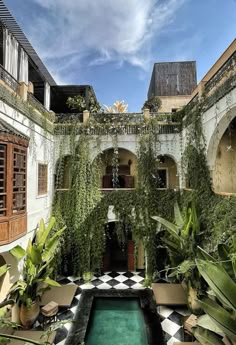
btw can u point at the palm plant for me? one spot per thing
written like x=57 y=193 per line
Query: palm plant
x=118 y=107
x=37 y=266
x=221 y=308
x=182 y=240
x=181 y=243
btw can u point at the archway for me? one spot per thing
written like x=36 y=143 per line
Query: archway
x=119 y=255
x=167 y=176
x=220 y=127
x=224 y=173
x=124 y=169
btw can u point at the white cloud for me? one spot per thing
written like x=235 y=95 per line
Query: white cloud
x=101 y=30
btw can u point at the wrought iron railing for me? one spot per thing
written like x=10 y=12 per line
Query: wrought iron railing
x=123 y=129
x=117 y=117
x=9 y=79
x=227 y=68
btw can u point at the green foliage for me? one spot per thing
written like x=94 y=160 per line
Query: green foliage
x=37 y=266
x=4 y=269
x=206 y=337
x=222 y=310
x=84 y=209
x=182 y=243
x=153 y=104
x=78 y=103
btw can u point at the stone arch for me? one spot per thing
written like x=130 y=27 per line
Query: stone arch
x=224 y=172
x=127 y=170
x=217 y=134
x=168 y=171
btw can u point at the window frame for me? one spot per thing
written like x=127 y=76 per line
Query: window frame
x=43 y=193
x=13 y=142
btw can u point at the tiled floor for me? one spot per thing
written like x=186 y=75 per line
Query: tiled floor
x=171 y=319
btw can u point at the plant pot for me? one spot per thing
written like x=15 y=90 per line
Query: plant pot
x=28 y=315
x=192 y=300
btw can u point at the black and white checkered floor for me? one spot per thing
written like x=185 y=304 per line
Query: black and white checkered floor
x=171 y=319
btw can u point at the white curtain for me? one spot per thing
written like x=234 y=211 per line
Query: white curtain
x=47 y=95
x=10 y=53
x=24 y=67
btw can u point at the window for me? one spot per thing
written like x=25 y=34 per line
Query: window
x=3 y=192
x=42 y=179
x=13 y=183
x=12 y=179
x=19 y=179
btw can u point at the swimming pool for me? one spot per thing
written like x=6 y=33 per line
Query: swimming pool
x=117 y=321
x=116 y=317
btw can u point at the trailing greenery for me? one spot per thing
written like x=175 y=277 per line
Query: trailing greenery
x=84 y=209
x=79 y=104
x=152 y=104
x=83 y=204
x=217 y=214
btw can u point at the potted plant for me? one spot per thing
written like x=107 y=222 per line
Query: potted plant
x=181 y=243
x=36 y=272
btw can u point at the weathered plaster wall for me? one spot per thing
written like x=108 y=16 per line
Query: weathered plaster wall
x=41 y=150
x=224 y=174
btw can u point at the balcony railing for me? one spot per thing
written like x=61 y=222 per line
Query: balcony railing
x=9 y=79
x=121 y=124
x=35 y=103
x=130 y=129
x=228 y=67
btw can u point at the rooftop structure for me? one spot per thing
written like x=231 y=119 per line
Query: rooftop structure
x=173 y=79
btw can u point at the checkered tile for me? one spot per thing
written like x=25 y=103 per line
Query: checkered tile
x=171 y=323
x=171 y=318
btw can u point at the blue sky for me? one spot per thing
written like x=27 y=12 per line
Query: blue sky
x=112 y=44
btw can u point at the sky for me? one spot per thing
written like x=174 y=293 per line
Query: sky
x=113 y=44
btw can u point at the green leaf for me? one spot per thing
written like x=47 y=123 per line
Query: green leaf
x=178 y=217
x=170 y=227
x=51 y=282
x=222 y=318
x=43 y=232
x=186 y=266
x=186 y=230
x=224 y=252
x=219 y=281
x=203 y=255
x=206 y=337
x=206 y=322
x=4 y=269
x=35 y=256
x=52 y=246
x=195 y=222
x=18 y=252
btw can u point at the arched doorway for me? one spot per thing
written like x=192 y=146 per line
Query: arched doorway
x=121 y=164
x=224 y=173
x=119 y=255
x=167 y=176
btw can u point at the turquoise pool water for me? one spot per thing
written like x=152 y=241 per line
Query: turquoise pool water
x=116 y=321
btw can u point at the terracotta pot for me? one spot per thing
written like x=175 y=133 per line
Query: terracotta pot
x=28 y=315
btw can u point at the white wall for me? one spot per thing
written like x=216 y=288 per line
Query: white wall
x=41 y=149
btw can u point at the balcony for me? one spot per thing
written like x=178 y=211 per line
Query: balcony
x=223 y=73
x=121 y=124
x=9 y=80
